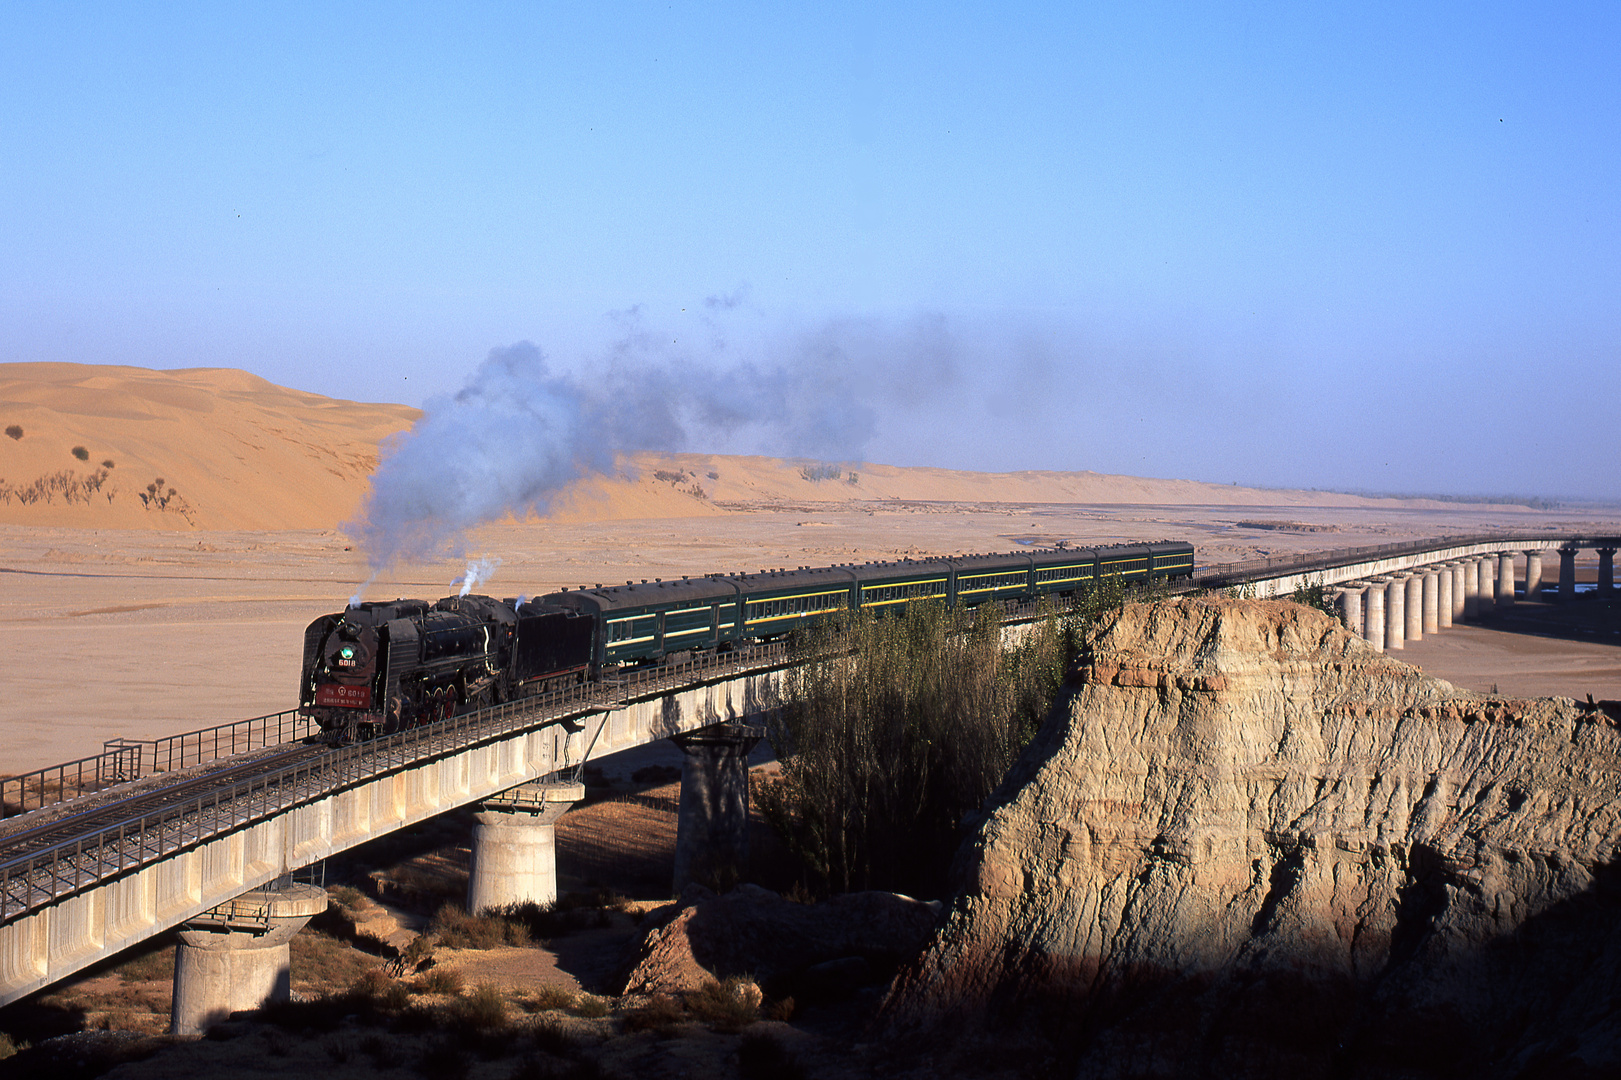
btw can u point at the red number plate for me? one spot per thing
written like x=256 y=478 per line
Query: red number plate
x=344 y=697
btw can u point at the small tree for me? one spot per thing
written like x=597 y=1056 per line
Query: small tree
x=895 y=729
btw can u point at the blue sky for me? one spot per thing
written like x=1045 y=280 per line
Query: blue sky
x=1354 y=245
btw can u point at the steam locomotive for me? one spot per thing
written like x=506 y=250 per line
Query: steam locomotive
x=378 y=668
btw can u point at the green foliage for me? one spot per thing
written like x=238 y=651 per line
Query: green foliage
x=1314 y=595
x=894 y=729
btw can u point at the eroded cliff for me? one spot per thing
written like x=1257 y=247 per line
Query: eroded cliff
x=1251 y=845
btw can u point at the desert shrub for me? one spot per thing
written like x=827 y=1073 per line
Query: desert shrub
x=14 y=430
x=107 y=463
x=817 y=473
x=81 y=453
x=892 y=730
x=761 y=1055
x=8 y=1045
x=441 y=980
x=590 y=1006
x=661 y=1014
x=570 y=912
x=484 y=1009
x=553 y=1038
x=548 y=998
x=350 y=897
x=454 y=928
x=728 y=1005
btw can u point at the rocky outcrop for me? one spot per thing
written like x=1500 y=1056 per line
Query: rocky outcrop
x=1251 y=845
x=788 y=948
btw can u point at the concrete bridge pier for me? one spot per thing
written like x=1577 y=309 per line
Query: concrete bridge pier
x=515 y=845
x=1533 y=574
x=1505 y=579
x=1431 y=599
x=1376 y=614
x=1413 y=630
x=1471 y=589
x=1488 y=583
x=1567 y=573
x=1606 y=571
x=712 y=824
x=1443 y=597
x=1351 y=608
x=235 y=957
x=1396 y=612
x=1458 y=597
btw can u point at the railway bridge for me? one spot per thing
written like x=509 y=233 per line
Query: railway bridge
x=1396 y=593
x=205 y=831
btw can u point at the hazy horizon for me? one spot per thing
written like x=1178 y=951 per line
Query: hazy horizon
x=1349 y=248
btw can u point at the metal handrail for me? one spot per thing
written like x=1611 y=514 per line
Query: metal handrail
x=30 y=881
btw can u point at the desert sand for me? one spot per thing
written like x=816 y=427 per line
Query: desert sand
x=122 y=619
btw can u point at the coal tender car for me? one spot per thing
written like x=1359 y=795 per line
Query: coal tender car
x=379 y=668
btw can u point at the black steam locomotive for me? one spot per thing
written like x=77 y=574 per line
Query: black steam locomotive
x=379 y=668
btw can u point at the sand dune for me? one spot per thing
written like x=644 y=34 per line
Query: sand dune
x=237 y=452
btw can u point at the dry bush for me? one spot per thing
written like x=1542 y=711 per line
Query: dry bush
x=441 y=980
x=661 y=1014
x=590 y=1006
x=554 y=1039
x=14 y=430
x=81 y=453
x=349 y=897
x=484 y=1009
x=8 y=1045
x=72 y=487
x=549 y=997
x=454 y=928
x=728 y=1005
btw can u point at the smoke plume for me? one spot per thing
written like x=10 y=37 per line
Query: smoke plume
x=518 y=432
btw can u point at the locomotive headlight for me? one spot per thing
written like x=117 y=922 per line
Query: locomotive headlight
x=347 y=653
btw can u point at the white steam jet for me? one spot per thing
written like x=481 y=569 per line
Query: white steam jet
x=478 y=570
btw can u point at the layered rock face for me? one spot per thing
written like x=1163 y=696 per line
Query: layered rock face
x=1252 y=846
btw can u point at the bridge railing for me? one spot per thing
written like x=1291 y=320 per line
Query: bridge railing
x=1275 y=566
x=59 y=783
x=123 y=760
x=193 y=810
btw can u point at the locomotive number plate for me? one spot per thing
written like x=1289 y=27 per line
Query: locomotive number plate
x=344 y=697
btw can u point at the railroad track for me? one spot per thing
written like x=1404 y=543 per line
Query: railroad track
x=150 y=799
